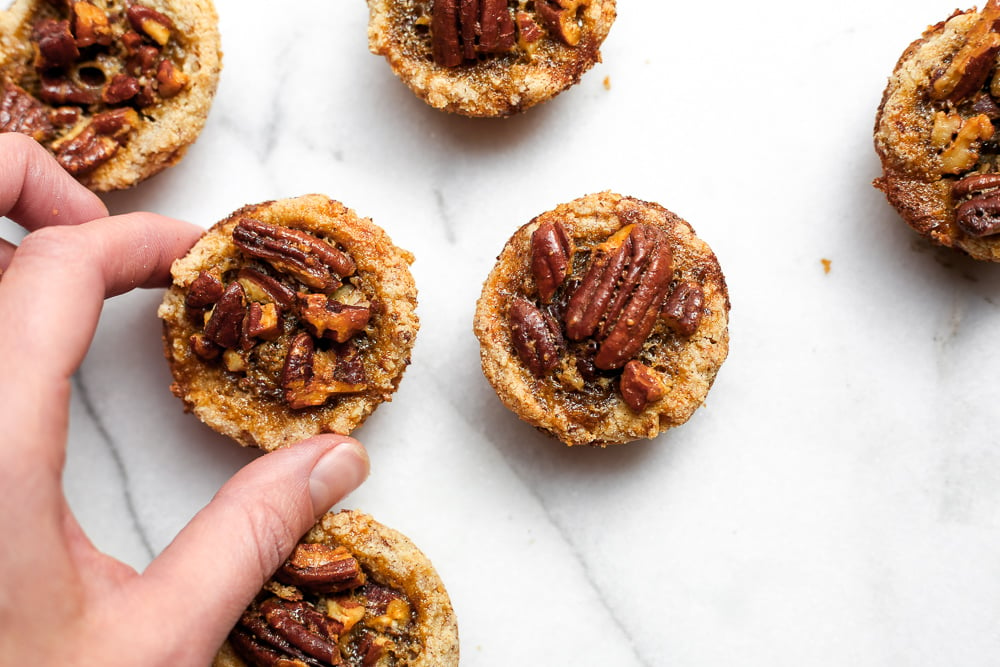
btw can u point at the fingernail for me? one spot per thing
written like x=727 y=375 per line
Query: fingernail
x=337 y=473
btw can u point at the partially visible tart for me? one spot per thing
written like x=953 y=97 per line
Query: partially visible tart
x=489 y=57
x=116 y=90
x=354 y=592
x=288 y=319
x=604 y=320
x=935 y=133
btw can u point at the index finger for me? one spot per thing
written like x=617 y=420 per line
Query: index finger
x=36 y=192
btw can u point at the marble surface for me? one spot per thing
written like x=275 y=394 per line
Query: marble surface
x=836 y=501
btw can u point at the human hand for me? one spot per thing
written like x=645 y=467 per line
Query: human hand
x=62 y=602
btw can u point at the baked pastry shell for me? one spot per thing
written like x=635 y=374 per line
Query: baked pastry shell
x=168 y=128
x=496 y=86
x=692 y=362
x=383 y=270
x=392 y=560
x=912 y=178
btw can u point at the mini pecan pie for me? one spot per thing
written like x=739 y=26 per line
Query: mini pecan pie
x=288 y=319
x=115 y=89
x=489 y=57
x=353 y=593
x=604 y=321
x=936 y=133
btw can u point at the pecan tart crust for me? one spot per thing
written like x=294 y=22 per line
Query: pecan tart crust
x=604 y=321
x=489 y=57
x=288 y=319
x=354 y=592
x=116 y=90
x=935 y=133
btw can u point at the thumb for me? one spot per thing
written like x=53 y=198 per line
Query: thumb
x=220 y=560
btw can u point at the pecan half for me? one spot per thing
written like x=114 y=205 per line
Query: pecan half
x=684 y=307
x=462 y=29
x=536 y=337
x=640 y=386
x=619 y=297
x=20 y=112
x=979 y=216
x=320 y=568
x=551 y=258
x=304 y=628
x=95 y=143
x=314 y=262
x=971 y=65
x=326 y=317
x=560 y=18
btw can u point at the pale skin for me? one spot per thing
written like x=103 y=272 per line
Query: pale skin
x=63 y=602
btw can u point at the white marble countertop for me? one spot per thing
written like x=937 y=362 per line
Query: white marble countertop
x=837 y=500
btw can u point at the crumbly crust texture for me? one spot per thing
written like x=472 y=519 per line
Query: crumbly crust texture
x=167 y=129
x=688 y=364
x=498 y=85
x=383 y=273
x=391 y=559
x=913 y=179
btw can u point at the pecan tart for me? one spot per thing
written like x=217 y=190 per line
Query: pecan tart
x=604 y=321
x=489 y=57
x=116 y=90
x=288 y=319
x=353 y=593
x=936 y=136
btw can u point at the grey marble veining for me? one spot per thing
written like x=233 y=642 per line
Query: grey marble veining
x=836 y=500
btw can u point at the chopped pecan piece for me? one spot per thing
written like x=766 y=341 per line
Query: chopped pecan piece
x=326 y=317
x=314 y=262
x=20 y=112
x=620 y=295
x=536 y=336
x=204 y=291
x=970 y=67
x=307 y=380
x=560 y=18
x=91 y=25
x=262 y=287
x=262 y=321
x=527 y=30
x=54 y=43
x=683 y=309
x=170 y=79
x=640 y=386
x=551 y=258
x=121 y=88
x=320 y=568
x=225 y=325
x=95 y=143
x=204 y=348
x=151 y=22
x=959 y=139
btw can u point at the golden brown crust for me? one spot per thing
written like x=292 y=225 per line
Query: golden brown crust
x=495 y=85
x=916 y=179
x=686 y=364
x=391 y=559
x=216 y=397
x=168 y=128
